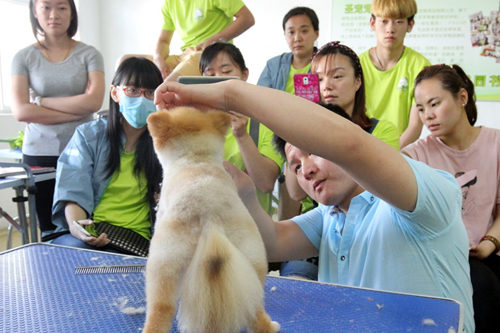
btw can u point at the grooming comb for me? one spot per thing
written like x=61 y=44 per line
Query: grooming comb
x=110 y=269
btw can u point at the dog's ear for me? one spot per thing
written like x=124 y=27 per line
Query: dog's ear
x=221 y=121
x=159 y=125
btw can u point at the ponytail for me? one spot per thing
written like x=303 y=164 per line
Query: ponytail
x=470 y=107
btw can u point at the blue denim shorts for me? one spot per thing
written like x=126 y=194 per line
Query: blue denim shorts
x=306 y=268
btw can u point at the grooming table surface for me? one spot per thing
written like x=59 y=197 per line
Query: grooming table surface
x=40 y=292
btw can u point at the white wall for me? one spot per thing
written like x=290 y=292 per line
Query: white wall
x=116 y=27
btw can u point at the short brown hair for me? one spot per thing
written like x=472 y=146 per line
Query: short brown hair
x=394 y=9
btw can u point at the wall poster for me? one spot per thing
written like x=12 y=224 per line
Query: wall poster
x=460 y=32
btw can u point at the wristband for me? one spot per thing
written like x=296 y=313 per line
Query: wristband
x=37 y=100
x=493 y=240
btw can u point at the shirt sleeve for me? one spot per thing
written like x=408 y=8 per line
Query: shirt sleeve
x=168 y=23
x=265 y=77
x=439 y=199
x=387 y=132
x=229 y=7
x=19 y=64
x=74 y=176
x=311 y=224
x=95 y=60
x=425 y=62
x=266 y=146
x=410 y=151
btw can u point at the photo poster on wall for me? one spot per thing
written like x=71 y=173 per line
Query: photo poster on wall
x=462 y=32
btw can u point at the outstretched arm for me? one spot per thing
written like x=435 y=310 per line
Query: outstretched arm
x=284 y=240
x=376 y=166
x=242 y=22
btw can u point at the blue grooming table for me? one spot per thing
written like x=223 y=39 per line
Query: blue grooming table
x=40 y=292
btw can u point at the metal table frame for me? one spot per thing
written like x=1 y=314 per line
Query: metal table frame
x=21 y=183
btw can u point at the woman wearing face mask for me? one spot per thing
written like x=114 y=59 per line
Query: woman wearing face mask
x=259 y=160
x=109 y=170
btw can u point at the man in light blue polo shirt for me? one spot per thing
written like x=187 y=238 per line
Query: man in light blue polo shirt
x=363 y=241
x=386 y=222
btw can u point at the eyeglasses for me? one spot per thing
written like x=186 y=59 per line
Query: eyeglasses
x=136 y=92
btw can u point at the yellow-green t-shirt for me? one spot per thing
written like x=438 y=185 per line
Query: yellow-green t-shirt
x=265 y=147
x=125 y=202
x=389 y=94
x=387 y=132
x=290 y=88
x=197 y=20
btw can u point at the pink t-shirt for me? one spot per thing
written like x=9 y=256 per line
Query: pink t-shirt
x=477 y=171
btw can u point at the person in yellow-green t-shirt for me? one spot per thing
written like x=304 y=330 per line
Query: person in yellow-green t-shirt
x=199 y=24
x=249 y=144
x=390 y=68
x=109 y=171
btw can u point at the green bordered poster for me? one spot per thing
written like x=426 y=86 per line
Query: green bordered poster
x=462 y=32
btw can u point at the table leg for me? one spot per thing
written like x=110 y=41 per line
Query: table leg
x=21 y=210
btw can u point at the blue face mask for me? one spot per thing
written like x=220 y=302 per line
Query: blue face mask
x=136 y=110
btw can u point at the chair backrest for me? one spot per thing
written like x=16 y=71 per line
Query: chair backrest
x=100 y=114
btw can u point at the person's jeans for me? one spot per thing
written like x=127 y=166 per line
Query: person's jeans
x=486 y=293
x=71 y=241
x=307 y=268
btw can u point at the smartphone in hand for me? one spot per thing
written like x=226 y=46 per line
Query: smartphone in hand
x=82 y=229
x=307 y=86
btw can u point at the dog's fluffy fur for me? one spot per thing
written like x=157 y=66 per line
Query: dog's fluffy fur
x=206 y=251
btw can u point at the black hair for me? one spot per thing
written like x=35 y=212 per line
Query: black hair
x=359 y=116
x=302 y=11
x=37 y=29
x=141 y=73
x=212 y=51
x=452 y=78
x=279 y=143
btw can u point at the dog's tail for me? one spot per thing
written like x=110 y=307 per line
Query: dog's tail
x=221 y=290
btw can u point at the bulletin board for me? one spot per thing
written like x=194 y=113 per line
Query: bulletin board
x=462 y=32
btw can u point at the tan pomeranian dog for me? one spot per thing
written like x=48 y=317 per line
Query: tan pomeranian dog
x=206 y=252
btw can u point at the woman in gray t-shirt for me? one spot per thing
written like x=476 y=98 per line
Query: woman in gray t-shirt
x=57 y=84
